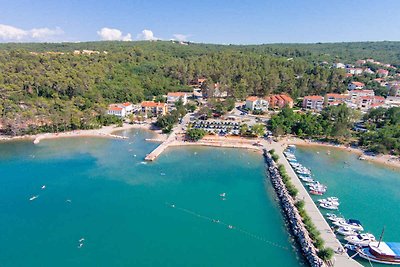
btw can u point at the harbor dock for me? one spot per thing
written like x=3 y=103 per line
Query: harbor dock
x=340 y=260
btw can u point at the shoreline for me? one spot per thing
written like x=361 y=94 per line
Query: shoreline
x=212 y=141
x=104 y=132
x=382 y=159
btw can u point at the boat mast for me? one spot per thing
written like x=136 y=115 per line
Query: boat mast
x=380 y=238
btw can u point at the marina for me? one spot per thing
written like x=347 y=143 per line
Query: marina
x=340 y=168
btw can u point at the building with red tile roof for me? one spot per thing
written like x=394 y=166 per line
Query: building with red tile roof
x=120 y=110
x=154 y=108
x=355 y=85
x=279 y=101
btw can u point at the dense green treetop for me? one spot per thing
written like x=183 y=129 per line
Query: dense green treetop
x=43 y=89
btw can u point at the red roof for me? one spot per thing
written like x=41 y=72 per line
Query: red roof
x=252 y=98
x=114 y=108
x=313 y=97
x=152 y=104
x=176 y=94
x=382 y=71
x=358 y=83
x=286 y=98
x=126 y=104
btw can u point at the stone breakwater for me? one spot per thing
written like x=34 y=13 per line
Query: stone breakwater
x=292 y=214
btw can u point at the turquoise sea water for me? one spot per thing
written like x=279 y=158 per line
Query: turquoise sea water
x=122 y=207
x=367 y=191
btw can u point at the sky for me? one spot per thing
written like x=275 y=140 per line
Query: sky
x=202 y=21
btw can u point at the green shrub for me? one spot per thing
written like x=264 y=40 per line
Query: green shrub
x=300 y=205
x=326 y=254
x=319 y=243
x=275 y=157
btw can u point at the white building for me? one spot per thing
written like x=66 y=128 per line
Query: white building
x=314 y=102
x=355 y=85
x=339 y=65
x=172 y=97
x=392 y=101
x=120 y=110
x=256 y=103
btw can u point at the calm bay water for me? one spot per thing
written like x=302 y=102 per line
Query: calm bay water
x=120 y=206
x=367 y=191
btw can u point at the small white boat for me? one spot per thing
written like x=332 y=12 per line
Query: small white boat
x=43 y=187
x=307 y=179
x=333 y=217
x=81 y=240
x=222 y=194
x=33 y=198
x=80 y=245
x=230 y=226
x=347 y=231
x=334 y=199
x=328 y=206
x=354 y=224
x=328 y=201
x=362 y=240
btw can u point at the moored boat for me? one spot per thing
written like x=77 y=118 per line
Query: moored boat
x=381 y=252
x=354 y=224
x=346 y=231
x=328 y=206
x=362 y=240
x=318 y=193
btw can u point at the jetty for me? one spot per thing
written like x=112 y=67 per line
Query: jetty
x=340 y=260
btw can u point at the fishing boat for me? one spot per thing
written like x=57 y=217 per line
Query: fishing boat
x=328 y=206
x=354 y=224
x=361 y=240
x=346 y=231
x=381 y=252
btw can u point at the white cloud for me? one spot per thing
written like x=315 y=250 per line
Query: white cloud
x=181 y=37
x=42 y=33
x=107 y=34
x=11 y=33
x=147 y=35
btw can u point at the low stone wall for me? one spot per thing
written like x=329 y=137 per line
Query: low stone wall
x=292 y=214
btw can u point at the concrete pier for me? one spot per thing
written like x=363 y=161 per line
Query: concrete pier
x=340 y=260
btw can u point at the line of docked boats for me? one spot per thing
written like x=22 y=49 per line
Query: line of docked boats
x=304 y=174
x=362 y=244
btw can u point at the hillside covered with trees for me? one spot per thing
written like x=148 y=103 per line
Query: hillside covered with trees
x=60 y=90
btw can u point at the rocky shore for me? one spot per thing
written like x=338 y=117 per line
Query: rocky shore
x=292 y=215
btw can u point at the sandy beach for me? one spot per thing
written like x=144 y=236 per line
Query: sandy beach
x=104 y=132
x=387 y=160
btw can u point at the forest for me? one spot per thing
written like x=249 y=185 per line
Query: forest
x=42 y=91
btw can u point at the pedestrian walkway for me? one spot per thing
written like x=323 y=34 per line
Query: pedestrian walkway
x=340 y=260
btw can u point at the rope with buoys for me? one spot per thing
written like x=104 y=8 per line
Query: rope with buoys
x=227 y=225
